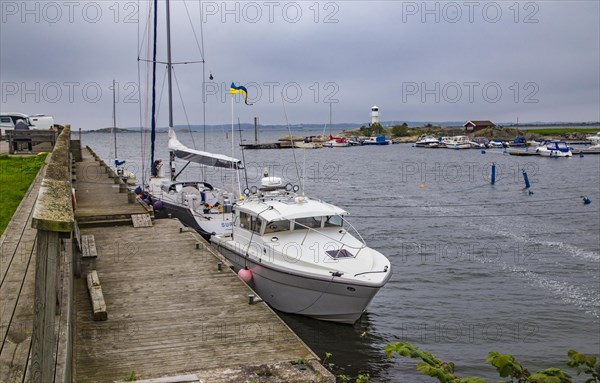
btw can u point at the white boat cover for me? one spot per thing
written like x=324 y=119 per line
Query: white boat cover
x=209 y=159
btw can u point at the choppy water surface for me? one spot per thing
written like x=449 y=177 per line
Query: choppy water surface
x=477 y=268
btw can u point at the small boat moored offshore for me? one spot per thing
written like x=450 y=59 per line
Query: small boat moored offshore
x=554 y=149
x=427 y=141
x=458 y=142
x=336 y=142
x=379 y=140
x=300 y=255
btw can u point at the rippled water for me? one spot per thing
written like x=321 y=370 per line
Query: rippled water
x=477 y=268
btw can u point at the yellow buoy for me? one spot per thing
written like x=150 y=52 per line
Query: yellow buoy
x=422 y=186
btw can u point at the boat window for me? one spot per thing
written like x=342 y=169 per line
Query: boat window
x=249 y=222
x=311 y=222
x=333 y=220
x=275 y=226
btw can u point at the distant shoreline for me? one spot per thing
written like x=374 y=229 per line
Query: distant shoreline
x=346 y=126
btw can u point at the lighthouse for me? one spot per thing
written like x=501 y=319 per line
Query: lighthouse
x=374 y=115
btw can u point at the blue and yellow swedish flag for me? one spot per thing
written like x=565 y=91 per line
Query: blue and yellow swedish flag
x=239 y=89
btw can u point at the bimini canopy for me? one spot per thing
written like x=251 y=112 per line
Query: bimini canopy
x=216 y=160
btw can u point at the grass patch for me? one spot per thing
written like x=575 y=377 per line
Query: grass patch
x=560 y=131
x=16 y=174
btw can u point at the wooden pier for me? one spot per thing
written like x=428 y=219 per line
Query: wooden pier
x=163 y=309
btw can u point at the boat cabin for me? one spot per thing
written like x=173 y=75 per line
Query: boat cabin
x=557 y=145
x=261 y=226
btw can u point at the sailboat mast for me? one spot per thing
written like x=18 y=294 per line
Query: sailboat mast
x=153 y=122
x=170 y=86
x=115 y=119
x=169 y=66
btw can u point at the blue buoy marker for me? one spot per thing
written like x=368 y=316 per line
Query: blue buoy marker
x=493 y=173
x=586 y=200
x=527 y=184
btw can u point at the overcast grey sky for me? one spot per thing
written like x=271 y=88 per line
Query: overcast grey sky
x=424 y=61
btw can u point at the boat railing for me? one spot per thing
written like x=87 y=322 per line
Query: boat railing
x=359 y=248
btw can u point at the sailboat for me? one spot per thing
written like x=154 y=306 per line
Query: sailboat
x=195 y=203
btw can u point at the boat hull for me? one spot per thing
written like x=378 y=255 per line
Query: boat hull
x=458 y=146
x=323 y=299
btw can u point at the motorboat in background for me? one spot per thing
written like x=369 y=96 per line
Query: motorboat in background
x=554 y=149
x=427 y=141
x=479 y=142
x=336 y=142
x=595 y=141
x=379 y=140
x=497 y=144
x=300 y=256
x=458 y=142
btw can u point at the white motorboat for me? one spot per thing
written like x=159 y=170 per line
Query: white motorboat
x=497 y=144
x=300 y=254
x=458 y=142
x=595 y=141
x=336 y=142
x=554 y=149
x=426 y=141
x=196 y=204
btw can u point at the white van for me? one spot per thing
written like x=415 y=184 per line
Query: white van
x=8 y=120
x=41 y=121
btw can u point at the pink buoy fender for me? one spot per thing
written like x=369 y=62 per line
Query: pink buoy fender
x=245 y=275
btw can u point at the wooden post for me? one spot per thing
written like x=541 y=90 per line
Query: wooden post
x=53 y=218
x=43 y=336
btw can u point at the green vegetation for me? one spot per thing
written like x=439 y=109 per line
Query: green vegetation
x=362 y=377
x=16 y=174
x=132 y=377
x=373 y=130
x=560 y=131
x=505 y=364
x=399 y=130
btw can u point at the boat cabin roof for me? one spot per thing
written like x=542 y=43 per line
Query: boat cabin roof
x=288 y=206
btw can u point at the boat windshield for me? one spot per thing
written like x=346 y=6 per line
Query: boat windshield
x=275 y=226
x=334 y=220
x=307 y=222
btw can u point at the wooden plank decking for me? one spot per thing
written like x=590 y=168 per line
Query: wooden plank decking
x=170 y=311
x=98 y=197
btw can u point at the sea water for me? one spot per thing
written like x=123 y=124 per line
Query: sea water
x=476 y=267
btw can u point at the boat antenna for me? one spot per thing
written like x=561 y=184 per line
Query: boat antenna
x=243 y=157
x=291 y=141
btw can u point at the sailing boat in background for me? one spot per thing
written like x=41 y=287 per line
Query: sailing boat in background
x=196 y=204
